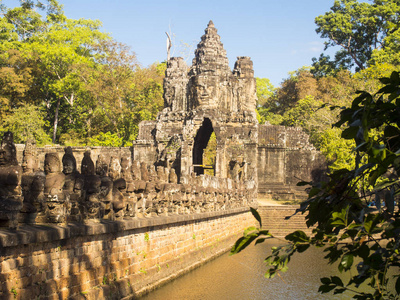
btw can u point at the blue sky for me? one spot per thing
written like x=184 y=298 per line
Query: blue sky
x=278 y=35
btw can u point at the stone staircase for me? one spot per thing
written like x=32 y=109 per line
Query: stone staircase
x=273 y=219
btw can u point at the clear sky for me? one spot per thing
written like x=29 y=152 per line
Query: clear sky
x=278 y=35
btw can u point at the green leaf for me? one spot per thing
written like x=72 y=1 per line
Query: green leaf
x=384 y=80
x=323 y=289
x=325 y=280
x=347 y=261
x=249 y=229
x=389 y=201
x=256 y=215
x=338 y=222
x=242 y=243
x=297 y=236
x=302 y=248
x=339 y=291
x=398 y=285
x=259 y=241
x=391 y=131
x=394 y=77
x=350 y=133
x=264 y=232
x=336 y=280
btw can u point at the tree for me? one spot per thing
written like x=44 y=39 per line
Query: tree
x=359 y=29
x=91 y=87
x=265 y=91
x=110 y=88
x=52 y=50
x=266 y=102
x=27 y=122
x=60 y=52
x=15 y=81
x=356 y=213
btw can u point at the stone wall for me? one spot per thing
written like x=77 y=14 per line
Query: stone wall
x=274 y=220
x=111 y=260
x=285 y=156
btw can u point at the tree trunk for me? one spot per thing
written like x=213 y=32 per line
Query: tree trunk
x=56 y=121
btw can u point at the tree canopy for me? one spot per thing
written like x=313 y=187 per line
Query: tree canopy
x=362 y=31
x=85 y=83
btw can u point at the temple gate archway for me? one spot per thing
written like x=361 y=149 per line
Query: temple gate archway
x=200 y=143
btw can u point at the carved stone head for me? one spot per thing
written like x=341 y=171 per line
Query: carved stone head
x=51 y=163
x=68 y=161
x=205 y=91
x=87 y=166
x=8 y=152
x=101 y=166
x=126 y=168
x=29 y=160
x=115 y=168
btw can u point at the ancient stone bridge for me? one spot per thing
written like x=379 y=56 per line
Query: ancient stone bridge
x=102 y=222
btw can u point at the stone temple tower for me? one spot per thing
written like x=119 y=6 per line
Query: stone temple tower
x=207 y=99
x=199 y=100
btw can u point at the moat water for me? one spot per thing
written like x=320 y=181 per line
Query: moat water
x=241 y=276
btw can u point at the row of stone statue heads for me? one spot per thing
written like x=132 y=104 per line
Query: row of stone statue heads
x=113 y=189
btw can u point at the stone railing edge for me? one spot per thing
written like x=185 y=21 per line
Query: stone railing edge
x=41 y=233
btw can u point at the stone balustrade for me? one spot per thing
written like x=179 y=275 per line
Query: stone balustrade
x=113 y=188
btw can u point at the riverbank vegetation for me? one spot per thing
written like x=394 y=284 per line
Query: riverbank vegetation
x=355 y=213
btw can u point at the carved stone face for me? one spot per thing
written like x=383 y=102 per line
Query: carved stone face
x=51 y=164
x=68 y=167
x=3 y=157
x=115 y=168
x=125 y=163
x=101 y=167
x=87 y=166
x=205 y=90
x=6 y=156
x=28 y=163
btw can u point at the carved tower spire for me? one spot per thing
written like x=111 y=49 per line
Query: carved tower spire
x=210 y=55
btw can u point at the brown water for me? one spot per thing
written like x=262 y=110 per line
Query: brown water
x=241 y=276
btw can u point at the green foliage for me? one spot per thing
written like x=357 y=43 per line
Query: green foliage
x=390 y=54
x=265 y=115
x=27 y=122
x=346 y=225
x=338 y=151
x=209 y=154
x=14 y=292
x=359 y=29
x=86 y=82
x=265 y=91
x=304 y=111
x=72 y=138
x=107 y=139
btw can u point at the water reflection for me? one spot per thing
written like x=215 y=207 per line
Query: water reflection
x=242 y=277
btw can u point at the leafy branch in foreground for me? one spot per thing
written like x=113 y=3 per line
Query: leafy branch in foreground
x=355 y=214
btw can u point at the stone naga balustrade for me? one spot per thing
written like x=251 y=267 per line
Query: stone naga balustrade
x=110 y=189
